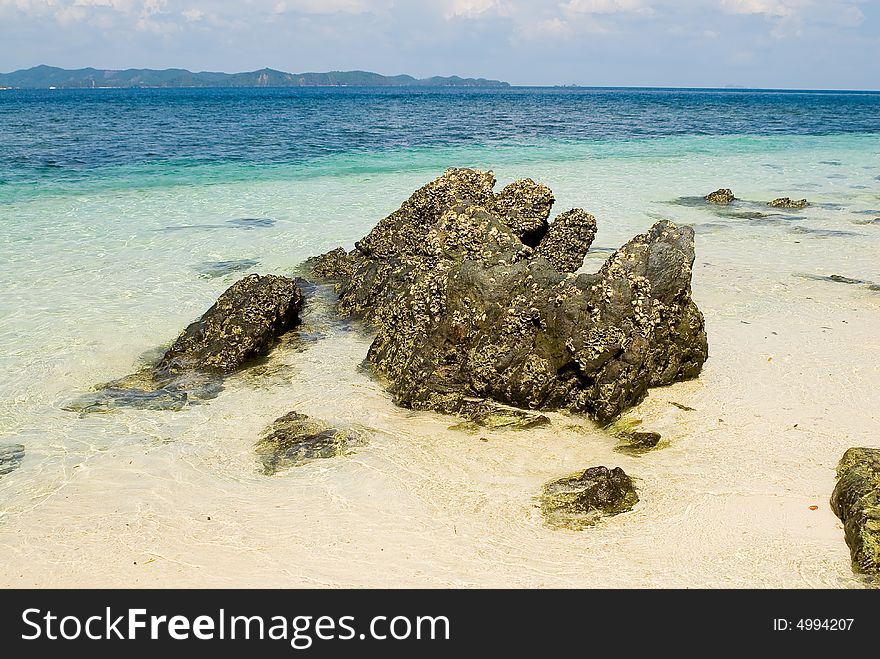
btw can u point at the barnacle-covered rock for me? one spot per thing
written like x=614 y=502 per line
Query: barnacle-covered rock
x=524 y=206
x=856 y=501
x=786 y=202
x=295 y=439
x=241 y=326
x=568 y=240
x=721 y=196
x=581 y=500
x=470 y=311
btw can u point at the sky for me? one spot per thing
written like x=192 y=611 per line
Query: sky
x=804 y=44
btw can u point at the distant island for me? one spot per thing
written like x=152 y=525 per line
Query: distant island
x=44 y=77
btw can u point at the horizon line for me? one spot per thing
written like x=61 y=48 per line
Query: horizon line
x=731 y=88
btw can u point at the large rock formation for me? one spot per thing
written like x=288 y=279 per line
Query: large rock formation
x=474 y=295
x=856 y=501
x=241 y=326
x=581 y=500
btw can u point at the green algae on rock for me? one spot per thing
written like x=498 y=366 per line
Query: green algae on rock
x=856 y=501
x=720 y=196
x=240 y=327
x=579 y=501
x=632 y=442
x=464 y=309
x=636 y=443
x=295 y=439
x=786 y=202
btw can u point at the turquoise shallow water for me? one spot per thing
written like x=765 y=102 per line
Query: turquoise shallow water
x=107 y=261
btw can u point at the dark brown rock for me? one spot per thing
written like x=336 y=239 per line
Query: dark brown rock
x=240 y=327
x=295 y=439
x=785 y=202
x=243 y=324
x=464 y=309
x=581 y=500
x=567 y=240
x=721 y=196
x=856 y=501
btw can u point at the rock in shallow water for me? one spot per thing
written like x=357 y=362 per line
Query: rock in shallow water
x=635 y=443
x=721 y=196
x=581 y=500
x=785 y=202
x=11 y=456
x=212 y=269
x=242 y=325
x=465 y=309
x=486 y=414
x=295 y=439
x=856 y=501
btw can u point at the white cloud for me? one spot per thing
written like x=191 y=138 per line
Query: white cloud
x=554 y=27
x=795 y=18
x=193 y=15
x=780 y=8
x=328 y=6
x=118 y=5
x=607 y=6
x=472 y=8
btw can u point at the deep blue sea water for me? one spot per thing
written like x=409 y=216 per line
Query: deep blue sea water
x=65 y=138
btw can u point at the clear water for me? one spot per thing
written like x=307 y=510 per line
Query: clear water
x=114 y=204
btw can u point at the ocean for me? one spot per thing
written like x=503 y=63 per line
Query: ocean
x=122 y=210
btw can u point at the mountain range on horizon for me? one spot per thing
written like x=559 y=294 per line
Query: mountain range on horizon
x=43 y=77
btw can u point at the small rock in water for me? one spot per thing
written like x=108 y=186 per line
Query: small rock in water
x=875 y=220
x=252 y=222
x=11 y=456
x=295 y=439
x=786 y=202
x=114 y=396
x=212 y=269
x=637 y=443
x=823 y=233
x=722 y=196
x=751 y=215
x=485 y=414
x=641 y=439
x=840 y=279
x=244 y=324
x=581 y=500
x=856 y=501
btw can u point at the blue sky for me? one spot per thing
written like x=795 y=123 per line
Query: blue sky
x=829 y=44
